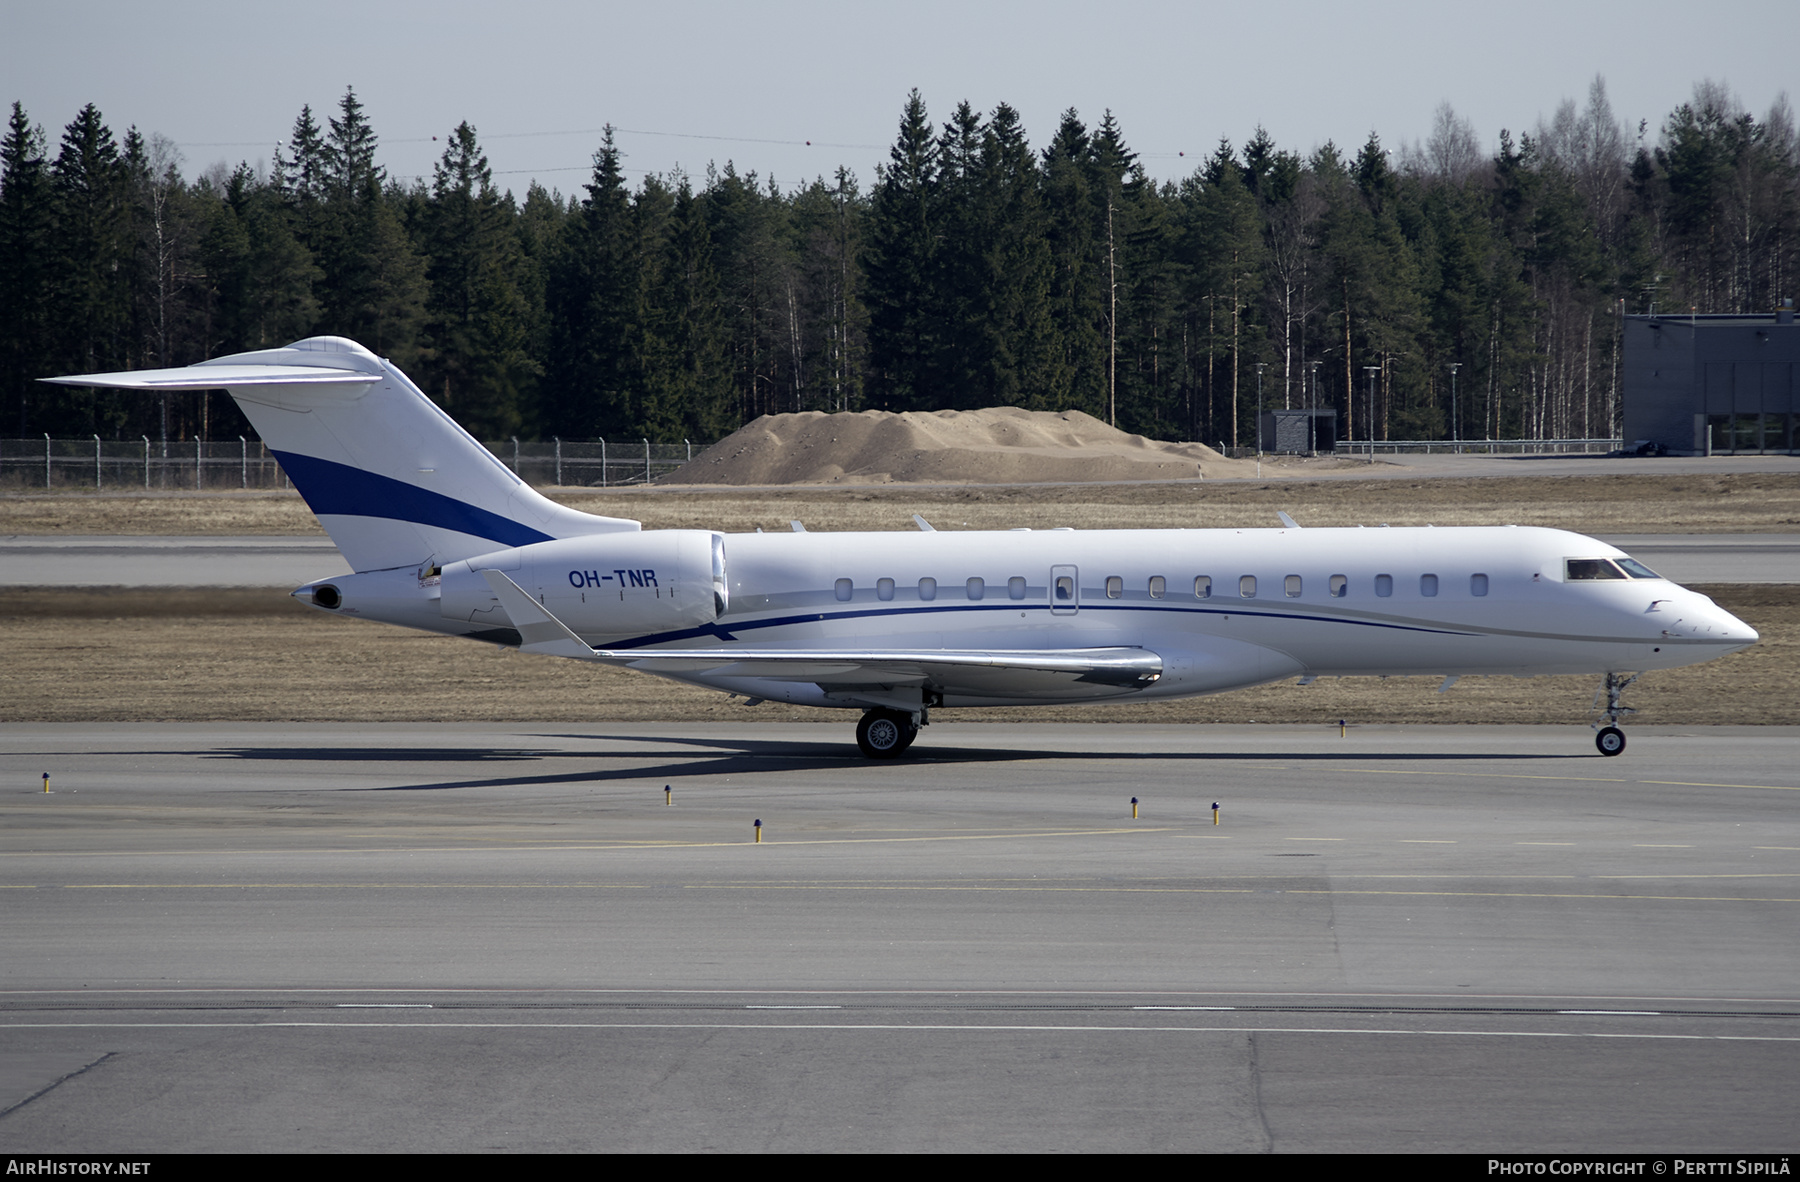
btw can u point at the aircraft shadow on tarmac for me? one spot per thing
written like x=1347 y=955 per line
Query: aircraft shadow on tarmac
x=721 y=756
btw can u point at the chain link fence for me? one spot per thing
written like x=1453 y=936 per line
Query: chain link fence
x=1484 y=447
x=121 y=465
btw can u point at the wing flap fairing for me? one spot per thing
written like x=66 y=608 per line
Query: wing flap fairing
x=988 y=672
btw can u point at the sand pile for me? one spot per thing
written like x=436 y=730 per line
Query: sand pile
x=1001 y=445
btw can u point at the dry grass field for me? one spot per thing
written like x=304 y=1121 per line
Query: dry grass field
x=1736 y=503
x=147 y=656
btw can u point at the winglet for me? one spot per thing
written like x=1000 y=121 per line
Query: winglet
x=1286 y=520
x=923 y=525
x=539 y=631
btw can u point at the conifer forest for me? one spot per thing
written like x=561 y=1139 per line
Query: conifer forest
x=1398 y=284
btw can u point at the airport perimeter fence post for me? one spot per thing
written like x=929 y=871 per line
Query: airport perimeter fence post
x=603 y=463
x=558 y=439
x=646 y=461
x=46 y=459
x=96 y=463
x=197 y=462
x=244 y=447
x=515 y=440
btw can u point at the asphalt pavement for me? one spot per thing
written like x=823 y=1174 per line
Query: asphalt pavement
x=419 y=937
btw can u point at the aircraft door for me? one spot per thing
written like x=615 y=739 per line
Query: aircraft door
x=1065 y=591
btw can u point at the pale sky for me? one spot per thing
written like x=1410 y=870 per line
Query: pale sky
x=689 y=83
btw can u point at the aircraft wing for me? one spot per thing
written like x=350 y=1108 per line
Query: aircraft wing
x=1027 y=672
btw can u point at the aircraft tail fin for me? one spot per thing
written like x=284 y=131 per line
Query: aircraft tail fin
x=391 y=477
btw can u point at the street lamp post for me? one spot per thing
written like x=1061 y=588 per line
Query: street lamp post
x=1371 y=370
x=1260 y=367
x=1455 y=419
x=1312 y=410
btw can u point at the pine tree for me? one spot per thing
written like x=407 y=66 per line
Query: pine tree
x=591 y=299
x=373 y=286
x=1020 y=357
x=686 y=376
x=25 y=277
x=827 y=223
x=1078 y=284
x=476 y=331
x=90 y=312
x=899 y=263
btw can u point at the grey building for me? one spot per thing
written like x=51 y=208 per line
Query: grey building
x=1298 y=431
x=1713 y=385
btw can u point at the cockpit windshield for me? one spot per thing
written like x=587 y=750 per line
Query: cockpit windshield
x=1576 y=570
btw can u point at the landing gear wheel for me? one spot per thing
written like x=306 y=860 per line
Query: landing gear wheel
x=1610 y=740
x=883 y=734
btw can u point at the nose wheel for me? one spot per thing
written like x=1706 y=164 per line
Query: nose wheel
x=884 y=734
x=1609 y=738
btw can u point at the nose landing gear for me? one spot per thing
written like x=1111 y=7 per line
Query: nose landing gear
x=1609 y=738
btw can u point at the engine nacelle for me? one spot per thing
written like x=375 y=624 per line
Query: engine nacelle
x=603 y=586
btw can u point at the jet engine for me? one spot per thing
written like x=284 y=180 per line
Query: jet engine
x=603 y=586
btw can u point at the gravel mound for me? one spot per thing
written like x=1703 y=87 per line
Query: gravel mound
x=1000 y=445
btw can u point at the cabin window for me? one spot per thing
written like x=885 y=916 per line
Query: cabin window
x=927 y=589
x=1384 y=585
x=1015 y=587
x=1291 y=586
x=1340 y=586
x=1428 y=585
x=1477 y=584
x=1065 y=589
x=845 y=588
x=1247 y=586
x=1585 y=569
x=1157 y=586
x=1115 y=586
x=976 y=588
x=884 y=589
x=1203 y=587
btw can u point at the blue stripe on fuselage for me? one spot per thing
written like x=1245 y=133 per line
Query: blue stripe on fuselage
x=724 y=630
x=337 y=489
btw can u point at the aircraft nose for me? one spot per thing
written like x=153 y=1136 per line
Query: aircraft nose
x=1715 y=623
x=1701 y=619
x=1737 y=626
x=1726 y=626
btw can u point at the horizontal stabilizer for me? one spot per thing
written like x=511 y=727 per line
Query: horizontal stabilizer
x=219 y=377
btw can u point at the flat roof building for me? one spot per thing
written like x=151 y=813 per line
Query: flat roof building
x=1713 y=385
x=1297 y=432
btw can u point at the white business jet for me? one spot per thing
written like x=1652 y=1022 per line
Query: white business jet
x=443 y=536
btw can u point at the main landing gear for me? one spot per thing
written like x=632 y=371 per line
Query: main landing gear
x=884 y=734
x=1609 y=738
